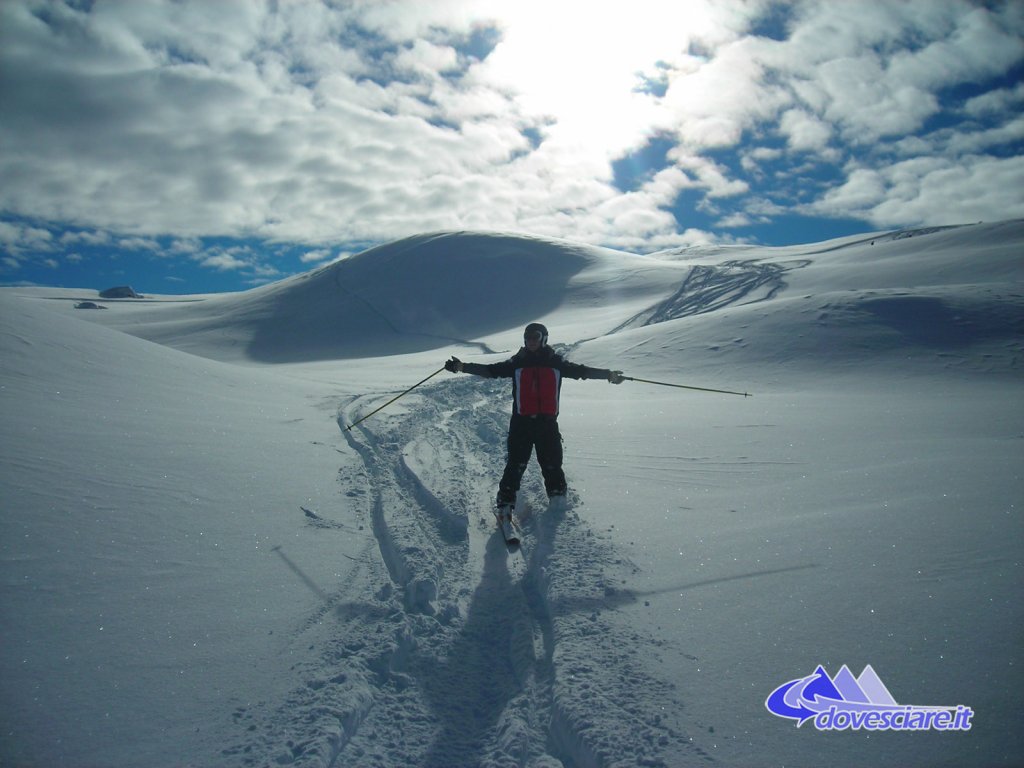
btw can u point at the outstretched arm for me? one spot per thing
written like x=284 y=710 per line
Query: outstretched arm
x=577 y=371
x=493 y=371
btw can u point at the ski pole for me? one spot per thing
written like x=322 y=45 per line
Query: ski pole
x=684 y=386
x=389 y=402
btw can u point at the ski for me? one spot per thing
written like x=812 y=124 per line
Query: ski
x=506 y=526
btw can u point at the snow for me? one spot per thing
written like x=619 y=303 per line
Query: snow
x=202 y=565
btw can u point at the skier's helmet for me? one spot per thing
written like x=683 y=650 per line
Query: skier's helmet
x=536 y=331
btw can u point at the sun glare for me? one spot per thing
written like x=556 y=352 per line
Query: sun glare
x=585 y=65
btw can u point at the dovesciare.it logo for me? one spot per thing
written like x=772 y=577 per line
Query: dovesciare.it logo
x=848 y=703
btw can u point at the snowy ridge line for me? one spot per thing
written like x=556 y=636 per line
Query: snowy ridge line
x=881 y=237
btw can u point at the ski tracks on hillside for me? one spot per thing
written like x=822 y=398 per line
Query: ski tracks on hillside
x=708 y=288
x=463 y=653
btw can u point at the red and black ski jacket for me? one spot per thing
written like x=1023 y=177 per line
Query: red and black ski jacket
x=536 y=379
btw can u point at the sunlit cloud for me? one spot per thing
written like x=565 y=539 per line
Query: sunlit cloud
x=330 y=126
x=315 y=257
x=926 y=187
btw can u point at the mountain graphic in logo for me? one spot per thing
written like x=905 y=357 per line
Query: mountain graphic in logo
x=847 y=702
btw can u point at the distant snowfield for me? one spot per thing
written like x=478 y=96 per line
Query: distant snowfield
x=202 y=566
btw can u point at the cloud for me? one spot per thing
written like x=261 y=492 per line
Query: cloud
x=931 y=191
x=9 y=233
x=871 y=71
x=864 y=189
x=709 y=176
x=804 y=132
x=315 y=257
x=20 y=238
x=937 y=191
x=95 y=238
x=224 y=262
x=969 y=142
x=139 y=244
x=999 y=101
x=328 y=124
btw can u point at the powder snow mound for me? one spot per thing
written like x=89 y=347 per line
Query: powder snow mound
x=431 y=291
x=415 y=294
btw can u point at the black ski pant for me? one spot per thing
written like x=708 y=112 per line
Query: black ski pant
x=524 y=434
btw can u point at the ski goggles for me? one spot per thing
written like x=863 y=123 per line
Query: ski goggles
x=533 y=336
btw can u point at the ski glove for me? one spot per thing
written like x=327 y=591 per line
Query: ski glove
x=454 y=365
x=615 y=377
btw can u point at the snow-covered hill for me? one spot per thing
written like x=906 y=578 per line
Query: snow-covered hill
x=421 y=293
x=202 y=566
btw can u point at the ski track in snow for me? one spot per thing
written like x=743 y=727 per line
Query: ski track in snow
x=711 y=287
x=456 y=657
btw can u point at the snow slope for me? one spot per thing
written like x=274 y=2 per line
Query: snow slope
x=201 y=564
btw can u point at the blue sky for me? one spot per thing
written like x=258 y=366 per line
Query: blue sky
x=191 y=147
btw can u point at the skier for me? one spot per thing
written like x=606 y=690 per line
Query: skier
x=536 y=371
